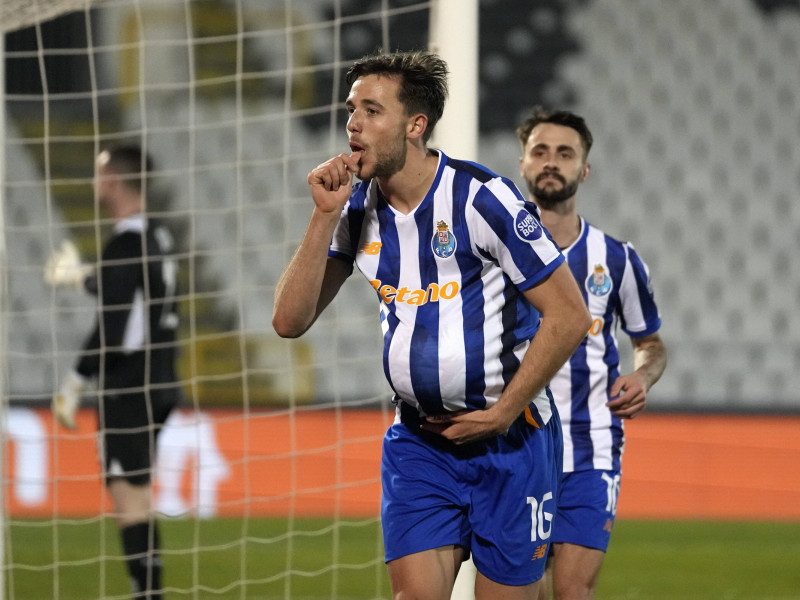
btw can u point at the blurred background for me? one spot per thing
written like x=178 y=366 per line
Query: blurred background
x=695 y=108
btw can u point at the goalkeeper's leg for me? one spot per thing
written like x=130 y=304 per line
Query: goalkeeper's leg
x=140 y=536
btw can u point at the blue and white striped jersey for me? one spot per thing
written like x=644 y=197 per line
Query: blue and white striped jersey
x=449 y=277
x=616 y=286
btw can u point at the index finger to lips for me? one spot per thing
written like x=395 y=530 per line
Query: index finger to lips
x=352 y=160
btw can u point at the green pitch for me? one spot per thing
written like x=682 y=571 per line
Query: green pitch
x=264 y=559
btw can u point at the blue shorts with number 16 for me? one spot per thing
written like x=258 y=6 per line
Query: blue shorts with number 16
x=494 y=498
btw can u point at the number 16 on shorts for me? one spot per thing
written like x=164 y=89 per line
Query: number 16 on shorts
x=540 y=517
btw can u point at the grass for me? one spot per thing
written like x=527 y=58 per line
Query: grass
x=260 y=559
x=256 y=559
x=703 y=561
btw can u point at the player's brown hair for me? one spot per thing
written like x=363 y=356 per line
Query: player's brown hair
x=557 y=117
x=423 y=81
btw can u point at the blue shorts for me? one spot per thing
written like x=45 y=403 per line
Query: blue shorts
x=587 y=508
x=494 y=498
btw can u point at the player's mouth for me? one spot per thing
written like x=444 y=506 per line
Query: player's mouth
x=551 y=176
x=356 y=147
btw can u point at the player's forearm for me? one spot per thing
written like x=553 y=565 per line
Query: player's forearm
x=650 y=360
x=299 y=290
x=552 y=346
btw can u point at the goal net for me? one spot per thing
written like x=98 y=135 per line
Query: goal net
x=268 y=475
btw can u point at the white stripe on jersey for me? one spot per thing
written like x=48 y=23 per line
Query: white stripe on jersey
x=600 y=416
x=452 y=366
x=409 y=274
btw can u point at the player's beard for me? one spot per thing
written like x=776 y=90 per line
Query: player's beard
x=548 y=199
x=388 y=160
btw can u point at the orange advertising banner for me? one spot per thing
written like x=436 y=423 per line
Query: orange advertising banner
x=312 y=462
x=216 y=463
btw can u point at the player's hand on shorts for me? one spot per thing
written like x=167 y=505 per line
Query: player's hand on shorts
x=465 y=427
x=64 y=267
x=66 y=401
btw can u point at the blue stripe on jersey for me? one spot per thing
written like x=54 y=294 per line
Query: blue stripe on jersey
x=388 y=273
x=355 y=215
x=514 y=312
x=648 y=305
x=580 y=422
x=472 y=301
x=616 y=261
x=424 y=359
x=473 y=170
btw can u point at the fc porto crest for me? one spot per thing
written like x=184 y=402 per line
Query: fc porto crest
x=599 y=281
x=443 y=243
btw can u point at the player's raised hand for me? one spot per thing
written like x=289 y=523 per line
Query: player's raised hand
x=332 y=181
x=64 y=267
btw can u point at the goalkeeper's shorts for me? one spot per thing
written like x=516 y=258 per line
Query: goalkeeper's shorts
x=129 y=429
x=494 y=498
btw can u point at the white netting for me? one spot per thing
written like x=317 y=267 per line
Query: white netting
x=15 y=14
x=236 y=101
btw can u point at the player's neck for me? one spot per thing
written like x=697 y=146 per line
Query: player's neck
x=126 y=209
x=406 y=189
x=563 y=223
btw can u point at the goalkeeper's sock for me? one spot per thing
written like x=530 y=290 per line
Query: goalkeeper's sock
x=142 y=548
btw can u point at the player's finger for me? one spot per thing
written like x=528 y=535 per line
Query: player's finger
x=352 y=161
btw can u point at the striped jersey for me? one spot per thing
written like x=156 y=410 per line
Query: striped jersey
x=615 y=283
x=449 y=277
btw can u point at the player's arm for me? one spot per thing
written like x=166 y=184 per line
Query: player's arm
x=565 y=322
x=312 y=279
x=629 y=392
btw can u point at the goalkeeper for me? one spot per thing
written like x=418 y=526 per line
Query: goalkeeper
x=131 y=353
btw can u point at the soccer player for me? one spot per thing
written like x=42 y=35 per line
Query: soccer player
x=592 y=397
x=131 y=353
x=463 y=271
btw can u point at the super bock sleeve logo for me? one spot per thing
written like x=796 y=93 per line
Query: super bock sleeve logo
x=443 y=243
x=527 y=226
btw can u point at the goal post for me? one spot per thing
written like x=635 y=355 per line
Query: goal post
x=457 y=131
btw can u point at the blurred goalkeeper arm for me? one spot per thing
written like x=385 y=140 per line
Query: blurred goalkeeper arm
x=64 y=267
x=66 y=401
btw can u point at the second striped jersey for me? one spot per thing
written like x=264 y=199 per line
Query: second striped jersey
x=615 y=283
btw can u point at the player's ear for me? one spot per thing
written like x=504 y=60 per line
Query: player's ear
x=417 y=125
x=587 y=167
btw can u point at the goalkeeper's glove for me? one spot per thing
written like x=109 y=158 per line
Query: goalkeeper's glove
x=64 y=267
x=66 y=401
